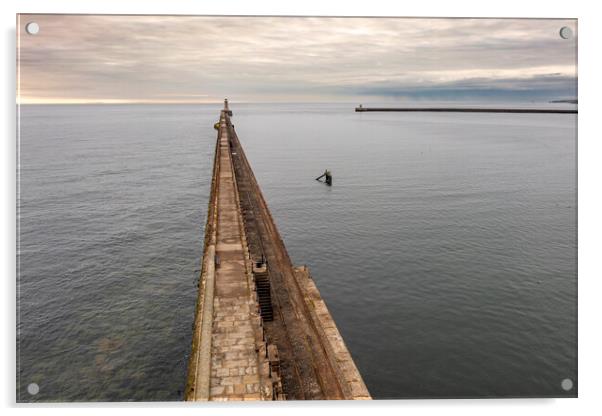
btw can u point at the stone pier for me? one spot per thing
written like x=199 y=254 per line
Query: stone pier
x=262 y=330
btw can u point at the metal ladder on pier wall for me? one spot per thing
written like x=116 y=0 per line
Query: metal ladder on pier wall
x=264 y=291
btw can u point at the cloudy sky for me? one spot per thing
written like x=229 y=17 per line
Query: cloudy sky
x=277 y=59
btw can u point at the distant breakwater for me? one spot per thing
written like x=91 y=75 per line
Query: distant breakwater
x=470 y=110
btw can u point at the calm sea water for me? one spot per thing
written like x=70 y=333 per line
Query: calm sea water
x=445 y=249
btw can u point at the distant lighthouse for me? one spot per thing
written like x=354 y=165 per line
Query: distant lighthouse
x=226 y=109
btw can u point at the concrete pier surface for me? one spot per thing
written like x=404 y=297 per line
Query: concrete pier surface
x=262 y=331
x=469 y=110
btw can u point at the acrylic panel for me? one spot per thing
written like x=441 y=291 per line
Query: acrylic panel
x=295 y=208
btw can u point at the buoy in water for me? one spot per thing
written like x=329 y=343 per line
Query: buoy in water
x=327 y=177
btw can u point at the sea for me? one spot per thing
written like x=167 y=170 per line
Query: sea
x=445 y=249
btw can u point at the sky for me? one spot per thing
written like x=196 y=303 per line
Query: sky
x=203 y=59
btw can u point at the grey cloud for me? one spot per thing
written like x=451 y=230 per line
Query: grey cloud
x=538 y=87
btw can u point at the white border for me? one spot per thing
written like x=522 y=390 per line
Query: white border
x=590 y=347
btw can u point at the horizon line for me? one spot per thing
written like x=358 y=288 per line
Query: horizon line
x=183 y=102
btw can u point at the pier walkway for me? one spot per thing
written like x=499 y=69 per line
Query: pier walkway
x=262 y=330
